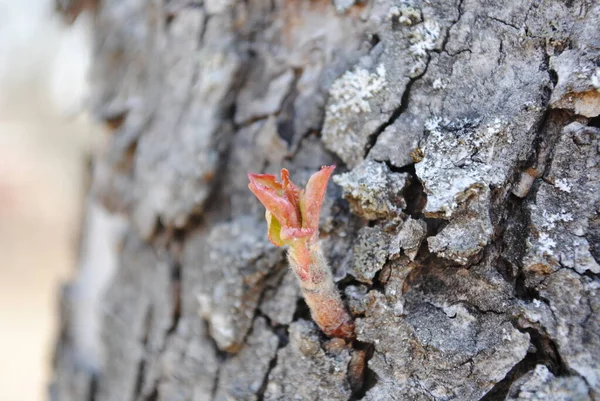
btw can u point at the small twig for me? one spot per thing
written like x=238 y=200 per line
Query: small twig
x=293 y=219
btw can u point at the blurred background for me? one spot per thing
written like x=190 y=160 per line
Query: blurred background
x=45 y=141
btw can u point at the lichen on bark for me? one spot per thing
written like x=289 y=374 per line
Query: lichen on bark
x=463 y=232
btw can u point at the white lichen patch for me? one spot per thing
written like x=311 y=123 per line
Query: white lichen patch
x=350 y=101
x=563 y=185
x=393 y=12
x=373 y=190
x=458 y=155
x=595 y=79
x=405 y=14
x=352 y=91
x=432 y=124
x=496 y=127
x=545 y=244
x=565 y=205
x=553 y=218
x=439 y=84
x=409 y=16
x=423 y=39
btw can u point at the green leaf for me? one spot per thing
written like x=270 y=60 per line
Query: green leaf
x=274 y=229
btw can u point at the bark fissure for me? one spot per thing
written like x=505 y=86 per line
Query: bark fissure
x=372 y=139
x=507 y=24
x=460 y=10
x=281 y=342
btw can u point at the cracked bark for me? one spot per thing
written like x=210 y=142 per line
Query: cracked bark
x=464 y=233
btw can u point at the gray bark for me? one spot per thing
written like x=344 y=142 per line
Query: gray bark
x=462 y=224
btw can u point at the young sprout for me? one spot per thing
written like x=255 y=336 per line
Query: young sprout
x=293 y=219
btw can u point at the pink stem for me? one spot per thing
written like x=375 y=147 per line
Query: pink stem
x=318 y=288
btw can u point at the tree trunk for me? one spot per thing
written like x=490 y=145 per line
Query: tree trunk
x=462 y=225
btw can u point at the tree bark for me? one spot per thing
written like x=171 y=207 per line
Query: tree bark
x=461 y=225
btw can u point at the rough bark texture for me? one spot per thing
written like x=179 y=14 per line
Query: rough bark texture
x=463 y=230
